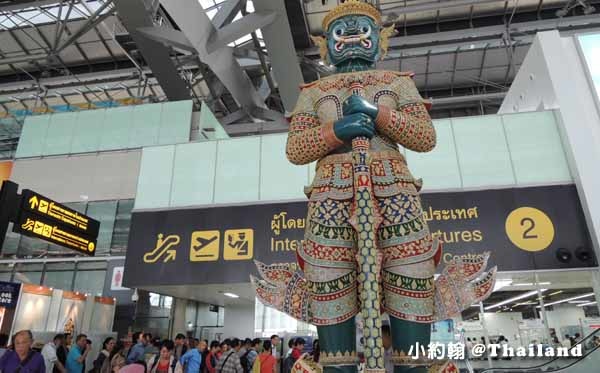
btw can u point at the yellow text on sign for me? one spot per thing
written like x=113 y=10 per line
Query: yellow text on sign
x=204 y=246
x=238 y=244
x=529 y=229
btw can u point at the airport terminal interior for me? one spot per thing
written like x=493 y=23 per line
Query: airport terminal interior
x=308 y=186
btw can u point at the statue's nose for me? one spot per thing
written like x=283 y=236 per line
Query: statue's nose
x=351 y=27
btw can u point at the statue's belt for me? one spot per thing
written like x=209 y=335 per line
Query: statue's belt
x=374 y=156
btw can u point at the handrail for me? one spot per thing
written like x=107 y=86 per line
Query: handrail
x=537 y=367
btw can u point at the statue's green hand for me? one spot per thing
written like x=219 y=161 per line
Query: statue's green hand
x=356 y=104
x=354 y=125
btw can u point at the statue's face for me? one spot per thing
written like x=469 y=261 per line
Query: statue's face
x=353 y=37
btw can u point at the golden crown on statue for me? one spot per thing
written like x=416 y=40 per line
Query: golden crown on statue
x=351 y=7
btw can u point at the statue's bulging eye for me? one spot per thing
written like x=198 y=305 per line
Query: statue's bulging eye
x=365 y=29
x=339 y=31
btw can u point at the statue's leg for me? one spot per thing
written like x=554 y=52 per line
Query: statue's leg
x=334 y=338
x=406 y=334
x=328 y=260
x=407 y=272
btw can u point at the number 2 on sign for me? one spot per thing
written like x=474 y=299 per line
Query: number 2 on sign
x=529 y=229
x=527 y=233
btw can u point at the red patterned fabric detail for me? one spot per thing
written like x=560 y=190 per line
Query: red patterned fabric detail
x=319 y=252
x=409 y=252
x=307 y=140
x=409 y=126
x=324 y=322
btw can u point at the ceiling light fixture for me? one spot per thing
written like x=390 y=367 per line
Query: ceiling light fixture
x=231 y=295
x=531 y=283
x=518 y=297
x=587 y=304
x=556 y=292
x=568 y=299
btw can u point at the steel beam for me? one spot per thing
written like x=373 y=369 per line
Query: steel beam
x=522 y=30
x=280 y=47
x=192 y=20
x=12 y=5
x=134 y=15
x=261 y=128
x=168 y=36
x=230 y=33
x=227 y=12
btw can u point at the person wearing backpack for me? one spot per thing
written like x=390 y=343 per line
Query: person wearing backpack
x=247 y=359
x=265 y=362
x=230 y=360
x=255 y=348
x=165 y=361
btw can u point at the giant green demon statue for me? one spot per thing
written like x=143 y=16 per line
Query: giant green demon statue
x=367 y=248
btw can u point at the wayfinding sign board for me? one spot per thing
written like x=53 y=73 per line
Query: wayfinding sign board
x=37 y=216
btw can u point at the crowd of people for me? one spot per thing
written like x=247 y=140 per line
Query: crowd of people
x=146 y=354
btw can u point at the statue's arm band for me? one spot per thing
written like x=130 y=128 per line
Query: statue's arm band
x=410 y=127
x=309 y=140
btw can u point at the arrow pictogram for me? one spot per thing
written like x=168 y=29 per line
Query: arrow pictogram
x=33 y=202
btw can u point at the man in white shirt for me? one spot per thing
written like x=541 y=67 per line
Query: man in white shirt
x=49 y=354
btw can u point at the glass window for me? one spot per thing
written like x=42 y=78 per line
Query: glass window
x=28 y=273
x=90 y=277
x=11 y=242
x=32 y=247
x=91 y=282
x=121 y=227
x=6 y=272
x=59 y=275
x=105 y=213
x=154 y=299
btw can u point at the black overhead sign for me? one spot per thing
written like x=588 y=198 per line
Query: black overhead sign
x=524 y=228
x=40 y=226
x=56 y=212
x=37 y=216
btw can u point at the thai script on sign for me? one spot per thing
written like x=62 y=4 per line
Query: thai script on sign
x=281 y=222
x=451 y=214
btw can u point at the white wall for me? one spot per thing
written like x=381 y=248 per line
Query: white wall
x=239 y=321
x=564 y=315
x=504 y=323
x=102 y=176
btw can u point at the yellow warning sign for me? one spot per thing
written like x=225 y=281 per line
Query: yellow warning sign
x=238 y=244
x=204 y=246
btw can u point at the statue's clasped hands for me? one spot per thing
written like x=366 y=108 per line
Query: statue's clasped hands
x=358 y=120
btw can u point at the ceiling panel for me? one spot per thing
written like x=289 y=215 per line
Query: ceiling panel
x=441 y=62
x=470 y=59
x=414 y=64
x=496 y=57
x=495 y=74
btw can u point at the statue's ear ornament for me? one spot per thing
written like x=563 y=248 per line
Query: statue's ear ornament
x=384 y=35
x=321 y=42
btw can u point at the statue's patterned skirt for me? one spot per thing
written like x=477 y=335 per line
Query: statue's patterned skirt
x=328 y=255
